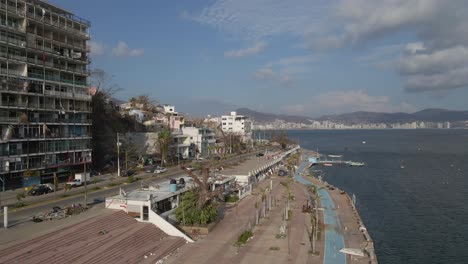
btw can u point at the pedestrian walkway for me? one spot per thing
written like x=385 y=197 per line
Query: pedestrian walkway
x=334 y=240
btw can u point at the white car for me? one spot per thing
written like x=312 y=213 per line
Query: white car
x=159 y=170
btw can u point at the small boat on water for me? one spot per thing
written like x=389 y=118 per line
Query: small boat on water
x=327 y=164
x=335 y=156
x=356 y=164
x=363 y=142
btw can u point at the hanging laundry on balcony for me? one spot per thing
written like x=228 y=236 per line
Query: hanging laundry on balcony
x=8 y=133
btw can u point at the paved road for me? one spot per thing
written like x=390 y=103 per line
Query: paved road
x=46 y=202
x=16 y=217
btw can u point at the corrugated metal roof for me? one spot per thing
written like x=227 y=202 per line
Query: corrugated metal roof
x=115 y=238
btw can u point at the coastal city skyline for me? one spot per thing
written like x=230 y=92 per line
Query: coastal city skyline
x=308 y=57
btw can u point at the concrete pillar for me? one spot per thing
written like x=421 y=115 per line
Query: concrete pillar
x=5 y=217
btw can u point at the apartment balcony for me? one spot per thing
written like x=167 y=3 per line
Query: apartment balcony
x=12 y=26
x=22 y=166
x=68 y=95
x=18 y=153
x=13 y=41
x=45 y=107
x=10 y=56
x=53 y=66
x=56 y=79
x=52 y=136
x=60 y=24
x=10 y=72
x=20 y=12
x=32 y=44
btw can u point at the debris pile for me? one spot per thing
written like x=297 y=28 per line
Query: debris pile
x=59 y=213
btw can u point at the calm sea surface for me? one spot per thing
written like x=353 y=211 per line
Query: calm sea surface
x=415 y=214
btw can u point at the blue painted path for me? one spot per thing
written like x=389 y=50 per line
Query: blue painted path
x=334 y=240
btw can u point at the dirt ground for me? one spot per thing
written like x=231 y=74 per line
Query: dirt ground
x=218 y=246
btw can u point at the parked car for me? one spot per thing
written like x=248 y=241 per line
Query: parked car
x=151 y=169
x=39 y=190
x=260 y=154
x=159 y=170
x=128 y=173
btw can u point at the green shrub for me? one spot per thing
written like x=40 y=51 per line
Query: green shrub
x=244 y=237
x=130 y=179
x=189 y=214
x=231 y=198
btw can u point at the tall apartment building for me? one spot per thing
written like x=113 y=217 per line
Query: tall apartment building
x=237 y=124
x=44 y=99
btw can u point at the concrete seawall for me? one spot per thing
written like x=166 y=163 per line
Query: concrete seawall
x=344 y=228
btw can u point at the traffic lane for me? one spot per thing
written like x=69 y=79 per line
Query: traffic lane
x=9 y=197
x=23 y=215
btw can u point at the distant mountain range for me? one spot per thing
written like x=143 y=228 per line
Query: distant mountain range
x=361 y=117
x=266 y=117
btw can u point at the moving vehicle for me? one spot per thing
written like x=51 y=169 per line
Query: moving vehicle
x=39 y=190
x=190 y=168
x=80 y=178
x=159 y=170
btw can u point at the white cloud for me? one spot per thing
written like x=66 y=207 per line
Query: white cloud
x=438 y=29
x=256 y=19
x=451 y=79
x=96 y=48
x=258 y=47
x=415 y=47
x=122 y=50
x=265 y=73
x=434 y=62
x=293 y=61
x=270 y=75
x=347 y=101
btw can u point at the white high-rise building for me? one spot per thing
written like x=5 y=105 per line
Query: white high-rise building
x=237 y=124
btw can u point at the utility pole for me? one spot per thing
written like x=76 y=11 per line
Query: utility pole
x=118 y=155
x=55 y=185
x=85 y=182
x=3 y=190
x=126 y=159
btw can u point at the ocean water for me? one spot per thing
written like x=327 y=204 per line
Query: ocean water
x=415 y=214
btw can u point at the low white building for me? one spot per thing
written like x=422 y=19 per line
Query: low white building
x=155 y=204
x=169 y=109
x=237 y=124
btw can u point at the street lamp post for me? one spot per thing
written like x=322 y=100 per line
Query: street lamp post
x=118 y=154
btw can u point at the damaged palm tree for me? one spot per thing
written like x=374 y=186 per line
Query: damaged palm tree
x=206 y=194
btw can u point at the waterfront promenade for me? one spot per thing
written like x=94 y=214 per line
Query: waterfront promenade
x=341 y=221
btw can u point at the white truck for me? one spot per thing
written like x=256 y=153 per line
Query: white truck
x=80 y=178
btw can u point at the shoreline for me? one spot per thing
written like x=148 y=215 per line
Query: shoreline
x=348 y=225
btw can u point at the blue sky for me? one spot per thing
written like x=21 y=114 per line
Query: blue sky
x=294 y=57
